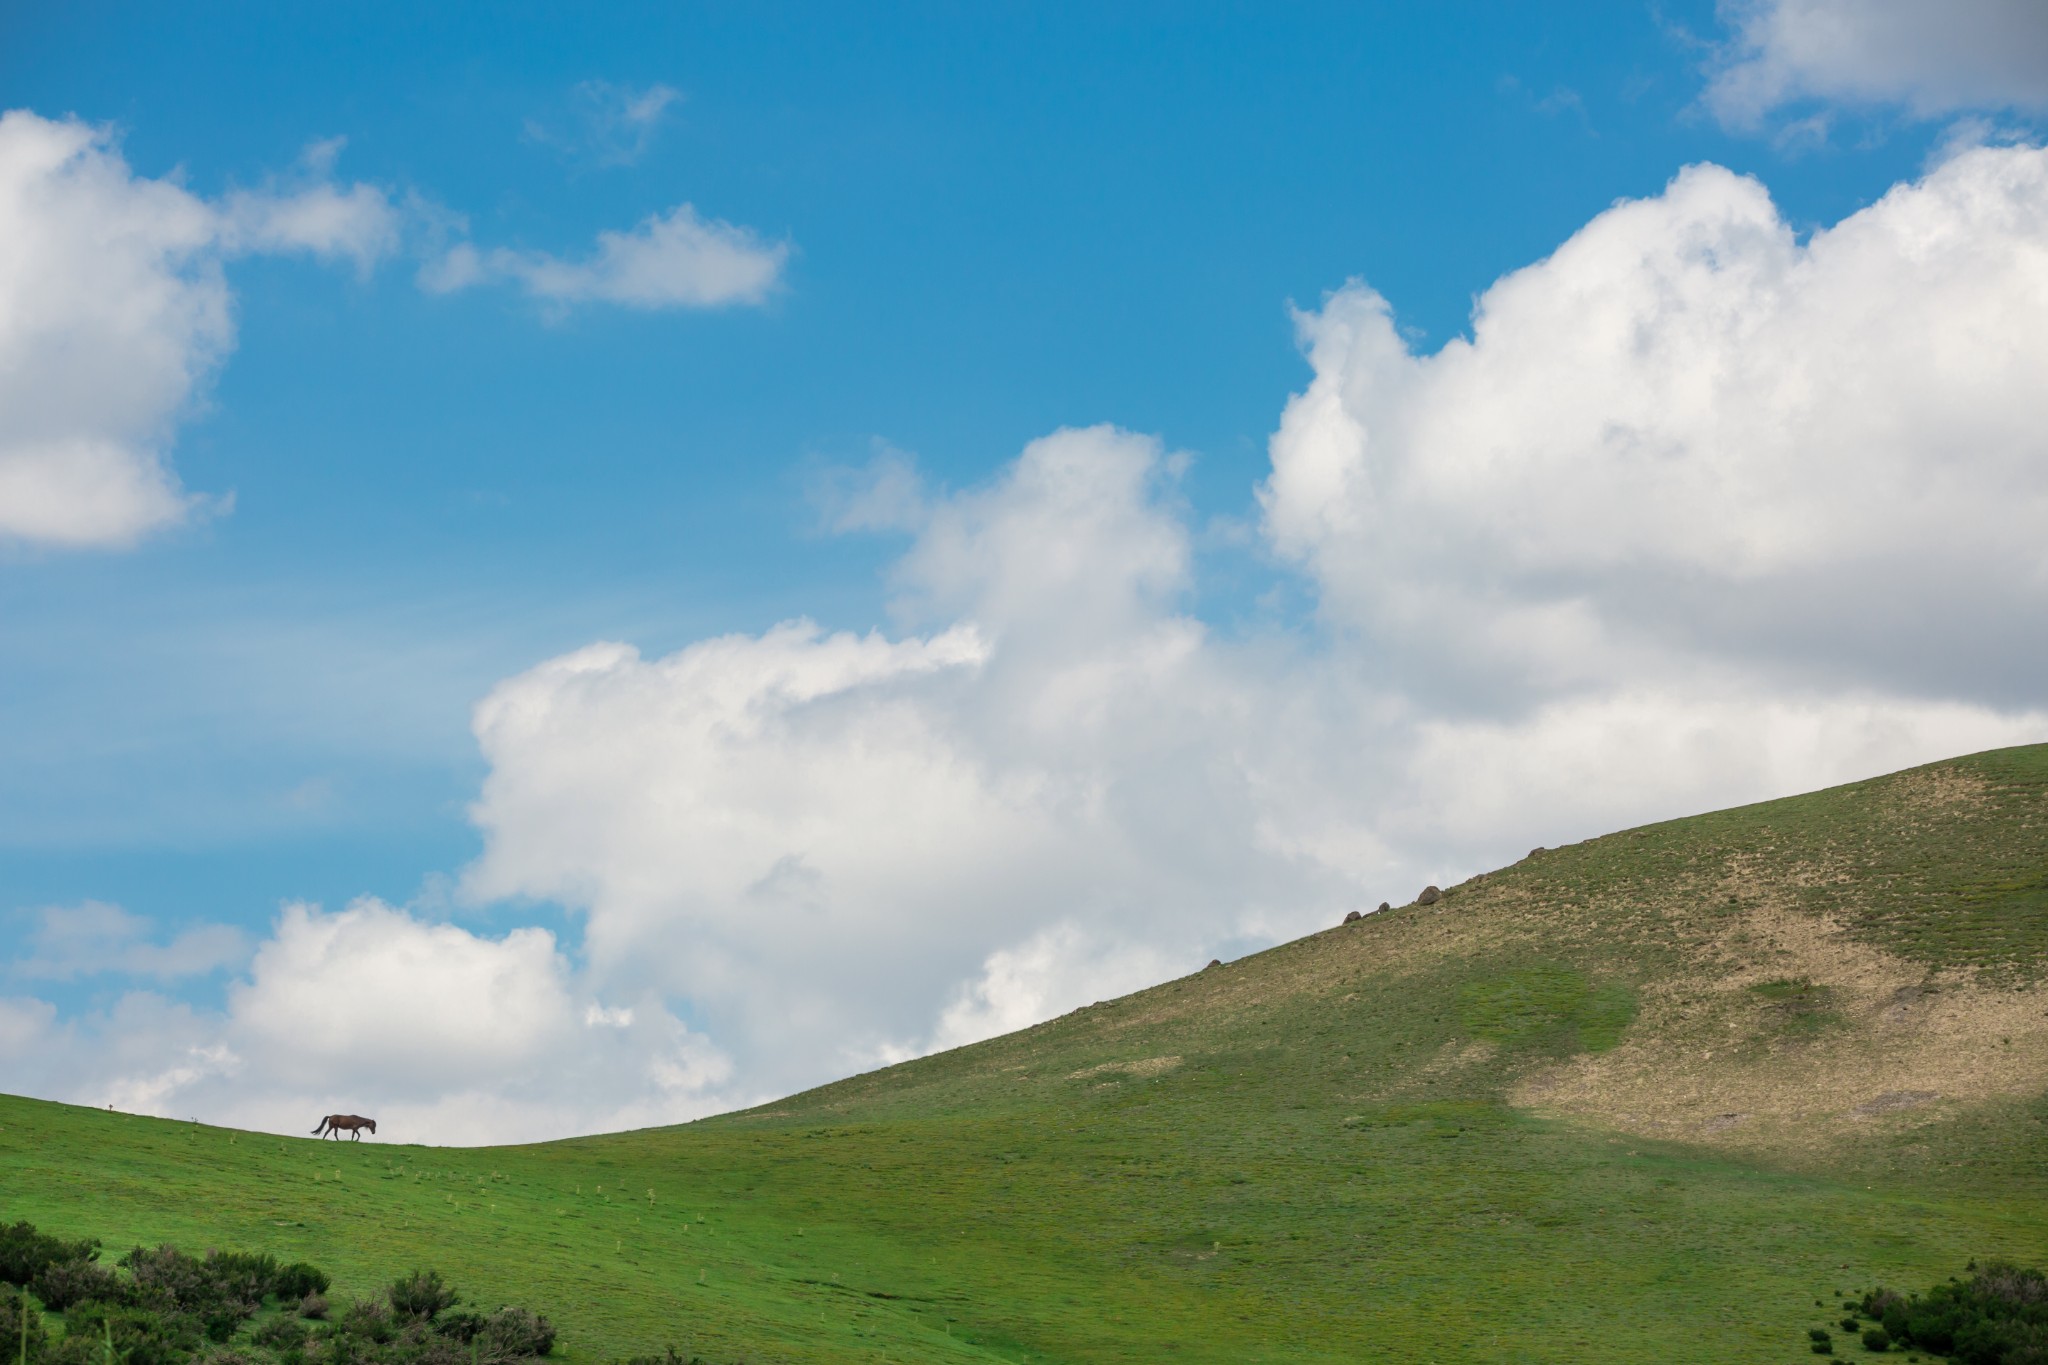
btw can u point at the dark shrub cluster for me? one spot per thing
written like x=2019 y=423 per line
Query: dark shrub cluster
x=1998 y=1316
x=26 y=1253
x=171 y=1308
x=13 y=1303
x=68 y=1282
x=421 y=1296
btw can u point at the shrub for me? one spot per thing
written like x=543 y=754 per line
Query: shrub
x=1849 y=1324
x=1999 y=1316
x=135 y=1336
x=281 y=1334
x=222 y=1291
x=369 y=1320
x=181 y=1310
x=297 y=1280
x=12 y=1306
x=1823 y=1348
x=240 y=1275
x=420 y=1295
x=68 y=1282
x=26 y=1253
x=220 y=1321
x=515 y=1333
x=461 y=1325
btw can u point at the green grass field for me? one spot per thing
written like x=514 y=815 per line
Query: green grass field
x=1646 y=1098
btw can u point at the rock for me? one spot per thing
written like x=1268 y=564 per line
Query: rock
x=1385 y=905
x=1353 y=917
x=1536 y=851
x=1430 y=896
x=1214 y=962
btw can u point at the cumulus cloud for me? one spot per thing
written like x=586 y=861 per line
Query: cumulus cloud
x=1690 y=446
x=818 y=838
x=440 y=1034
x=1699 y=513
x=1930 y=59
x=114 y=315
x=1676 y=527
x=115 y=312
x=672 y=260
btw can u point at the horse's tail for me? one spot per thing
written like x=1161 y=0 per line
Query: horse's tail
x=322 y=1128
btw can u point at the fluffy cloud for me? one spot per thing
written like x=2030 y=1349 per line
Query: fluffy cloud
x=440 y=1034
x=672 y=260
x=1699 y=513
x=817 y=838
x=1932 y=59
x=1675 y=528
x=115 y=311
x=1688 y=443
x=114 y=314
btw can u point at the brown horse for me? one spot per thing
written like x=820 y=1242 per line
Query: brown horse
x=355 y=1123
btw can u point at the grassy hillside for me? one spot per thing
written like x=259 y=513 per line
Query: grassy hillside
x=1649 y=1097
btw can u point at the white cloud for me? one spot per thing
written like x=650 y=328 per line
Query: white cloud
x=440 y=1034
x=114 y=314
x=1058 y=968
x=817 y=838
x=94 y=938
x=1930 y=58
x=1676 y=528
x=1689 y=443
x=24 y=1022
x=1700 y=513
x=672 y=260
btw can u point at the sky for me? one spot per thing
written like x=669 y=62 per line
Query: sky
x=568 y=568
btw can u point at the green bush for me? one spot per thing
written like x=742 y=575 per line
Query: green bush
x=137 y=1336
x=368 y=1320
x=515 y=1334
x=1999 y=1316
x=420 y=1295
x=297 y=1280
x=460 y=1325
x=12 y=1306
x=68 y=1282
x=282 y=1334
x=175 y=1309
x=223 y=1293
x=25 y=1253
x=1876 y=1339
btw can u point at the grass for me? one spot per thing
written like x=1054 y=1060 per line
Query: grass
x=1479 y=1130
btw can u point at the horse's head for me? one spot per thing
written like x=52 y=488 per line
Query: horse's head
x=371 y=1124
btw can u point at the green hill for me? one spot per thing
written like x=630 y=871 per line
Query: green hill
x=1649 y=1097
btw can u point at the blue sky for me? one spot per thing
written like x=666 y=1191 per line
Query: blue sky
x=993 y=223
